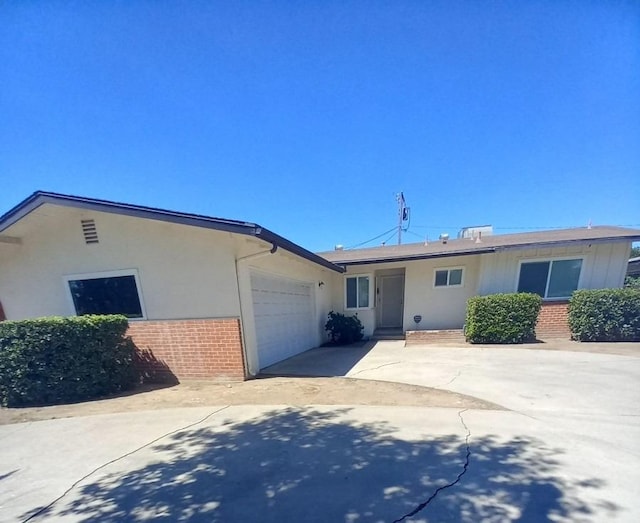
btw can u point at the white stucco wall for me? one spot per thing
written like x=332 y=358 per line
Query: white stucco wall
x=184 y=272
x=440 y=307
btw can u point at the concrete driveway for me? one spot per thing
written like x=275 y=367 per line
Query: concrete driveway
x=568 y=450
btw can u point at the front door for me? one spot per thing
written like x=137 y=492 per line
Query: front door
x=390 y=301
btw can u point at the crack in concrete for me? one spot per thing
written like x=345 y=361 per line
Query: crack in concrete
x=373 y=368
x=451 y=380
x=424 y=504
x=46 y=508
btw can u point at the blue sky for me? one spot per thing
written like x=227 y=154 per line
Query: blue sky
x=308 y=117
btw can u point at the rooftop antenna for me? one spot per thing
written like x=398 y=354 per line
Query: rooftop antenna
x=403 y=214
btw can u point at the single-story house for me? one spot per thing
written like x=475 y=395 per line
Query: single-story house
x=217 y=298
x=209 y=297
x=425 y=286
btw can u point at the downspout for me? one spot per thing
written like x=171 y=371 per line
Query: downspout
x=255 y=255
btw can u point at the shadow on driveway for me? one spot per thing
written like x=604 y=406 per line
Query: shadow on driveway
x=306 y=465
x=323 y=362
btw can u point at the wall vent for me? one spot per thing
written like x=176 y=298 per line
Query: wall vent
x=89 y=230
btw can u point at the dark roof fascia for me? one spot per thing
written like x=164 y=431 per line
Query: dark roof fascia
x=138 y=211
x=414 y=257
x=287 y=245
x=40 y=198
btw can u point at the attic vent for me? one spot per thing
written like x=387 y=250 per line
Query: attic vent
x=89 y=231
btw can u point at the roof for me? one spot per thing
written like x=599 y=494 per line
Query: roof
x=487 y=244
x=40 y=198
x=633 y=269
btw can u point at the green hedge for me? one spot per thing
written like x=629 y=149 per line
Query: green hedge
x=502 y=318
x=605 y=315
x=47 y=361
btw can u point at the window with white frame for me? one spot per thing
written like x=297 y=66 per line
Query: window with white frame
x=115 y=292
x=358 y=291
x=451 y=277
x=550 y=278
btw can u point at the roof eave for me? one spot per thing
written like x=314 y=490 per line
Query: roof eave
x=40 y=198
x=390 y=259
x=426 y=256
x=556 y=243
x=294 y=248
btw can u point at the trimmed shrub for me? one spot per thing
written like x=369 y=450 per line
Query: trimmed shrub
x=630 y=282
x=342 y=329
x=502 y=318
x=47 y=361
x=605 y=315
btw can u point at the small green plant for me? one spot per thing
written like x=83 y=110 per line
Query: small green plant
x=46 y=361
x=605 y=315
x=502 y=318
x=342 y=329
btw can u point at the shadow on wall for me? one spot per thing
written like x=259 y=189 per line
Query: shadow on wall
x=152 y=369
x=305 y=465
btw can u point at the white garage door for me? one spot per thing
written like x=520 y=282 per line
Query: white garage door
x=284 y=317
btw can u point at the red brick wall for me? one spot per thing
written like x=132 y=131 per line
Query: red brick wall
x=196 y=349
x=552 y=321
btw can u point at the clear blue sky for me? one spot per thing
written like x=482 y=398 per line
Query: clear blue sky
x=308 y=117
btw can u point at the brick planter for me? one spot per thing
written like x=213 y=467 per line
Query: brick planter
x=553 y=320
x=435 y=337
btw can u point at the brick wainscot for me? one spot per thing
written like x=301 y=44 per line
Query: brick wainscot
x=190 y=349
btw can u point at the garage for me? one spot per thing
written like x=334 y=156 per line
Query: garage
x=283 y=311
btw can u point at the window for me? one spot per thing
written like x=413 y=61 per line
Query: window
x=448 y=277
x=550 y=279
x=106 y=293
x=358 y=291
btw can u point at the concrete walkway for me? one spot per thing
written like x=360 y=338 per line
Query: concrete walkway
x=568 y=450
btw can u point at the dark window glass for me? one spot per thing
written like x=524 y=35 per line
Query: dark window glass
x=358 y=292
x=533 y=277
x=114 y=295
x=363 y=292
x=441 y=278
x=455 y=277
x=565 y=275
x=352 y=293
